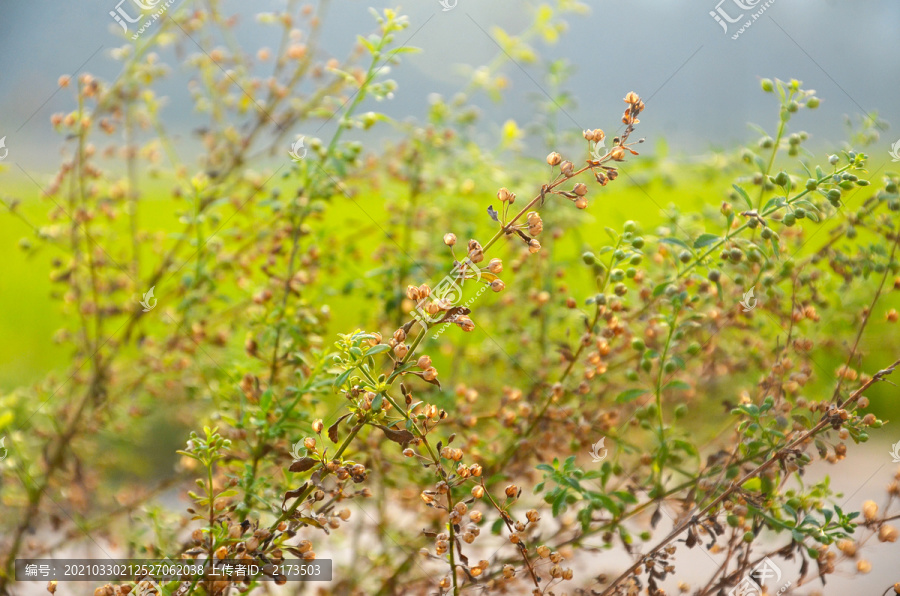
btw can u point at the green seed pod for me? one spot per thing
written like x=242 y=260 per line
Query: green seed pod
x=753 y=223
x=617 y=275
x=637 y=242
x=833 y=159
x=789 y=219
x=767 y=85
x=766 y=233
x=782 y=179
x=638 y=344
x=812 y=184
x=813 y=102
x=630 y=226
x=800 y=212
x=834 y=194
x=714 y=276
x=589 y=258
x=684 y=256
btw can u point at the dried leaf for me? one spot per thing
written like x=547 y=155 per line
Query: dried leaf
x=332 y=430
x=655 y=518
x=455 y=312
x=493 y=213
x=397 y=436
x=303 y=464
x=292 y=494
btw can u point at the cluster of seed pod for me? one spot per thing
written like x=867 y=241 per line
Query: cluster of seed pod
x=555 y=558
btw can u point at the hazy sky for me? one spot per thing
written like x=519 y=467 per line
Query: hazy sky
x=701 y=86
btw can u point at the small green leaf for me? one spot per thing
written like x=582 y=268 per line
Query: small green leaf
x=705 y=240
x=378 y=349
x=630 y=395
x=265 y=400
x=743 y=194
x=675 y=241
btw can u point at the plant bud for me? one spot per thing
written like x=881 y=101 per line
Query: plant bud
x=554 y=159
x=449 y=239
x=870 y=510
